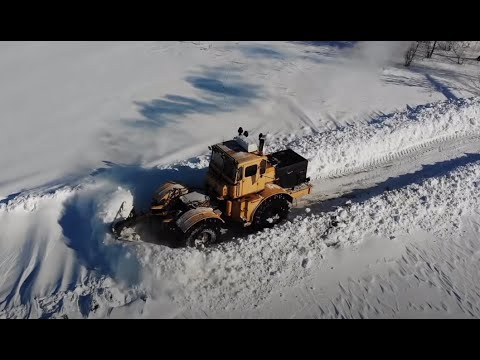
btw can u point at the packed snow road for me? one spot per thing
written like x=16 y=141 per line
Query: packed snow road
x=396 y=170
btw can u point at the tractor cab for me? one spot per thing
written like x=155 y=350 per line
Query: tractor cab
x=238 y=168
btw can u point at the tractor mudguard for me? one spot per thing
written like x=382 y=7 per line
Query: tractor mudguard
x=192 y=217
x=166 y=193
x=269 y=191
x=273 y=189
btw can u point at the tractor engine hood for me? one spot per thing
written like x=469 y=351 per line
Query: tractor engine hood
x=168 y=191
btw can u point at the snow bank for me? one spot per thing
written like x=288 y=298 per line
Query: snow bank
x=52 y=242
x=338 y=151
x=348 y=149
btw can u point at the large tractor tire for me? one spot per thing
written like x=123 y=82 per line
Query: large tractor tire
x=203 y=234
x=272 y=211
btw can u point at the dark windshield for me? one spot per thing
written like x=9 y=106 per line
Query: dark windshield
x=224 y=164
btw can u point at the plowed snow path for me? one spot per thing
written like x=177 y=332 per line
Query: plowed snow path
x=410 y=160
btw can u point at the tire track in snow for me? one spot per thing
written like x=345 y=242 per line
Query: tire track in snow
x=410 y=152
x=335 y=189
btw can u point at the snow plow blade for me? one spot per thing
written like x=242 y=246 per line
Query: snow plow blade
x=131 y=220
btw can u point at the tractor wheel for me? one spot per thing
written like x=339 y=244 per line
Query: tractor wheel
x=272 y=211
x=203 y=234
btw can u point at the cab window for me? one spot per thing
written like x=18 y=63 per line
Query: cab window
x=251 y=170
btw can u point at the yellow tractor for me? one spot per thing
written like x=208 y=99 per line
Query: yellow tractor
x=242 y=185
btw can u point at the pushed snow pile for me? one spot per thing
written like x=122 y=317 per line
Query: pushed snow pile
x=337 y=151
x=53 y=242
x=239 y=275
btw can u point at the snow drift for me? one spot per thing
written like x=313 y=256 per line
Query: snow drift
x=355 y=146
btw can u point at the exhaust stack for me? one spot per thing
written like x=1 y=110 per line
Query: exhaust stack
x=261 y=138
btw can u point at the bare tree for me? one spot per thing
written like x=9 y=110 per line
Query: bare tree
x=410 y=53
x=431 y=49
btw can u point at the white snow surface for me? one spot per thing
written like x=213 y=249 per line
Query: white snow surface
x=87 y=126
x=354 y=146
x=65 y=107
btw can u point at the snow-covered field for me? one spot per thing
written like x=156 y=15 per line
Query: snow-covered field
x=391 y=230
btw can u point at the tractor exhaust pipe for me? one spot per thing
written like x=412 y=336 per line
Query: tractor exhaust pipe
x=261 y=139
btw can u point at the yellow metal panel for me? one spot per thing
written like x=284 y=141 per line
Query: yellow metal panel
x=300 y=191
